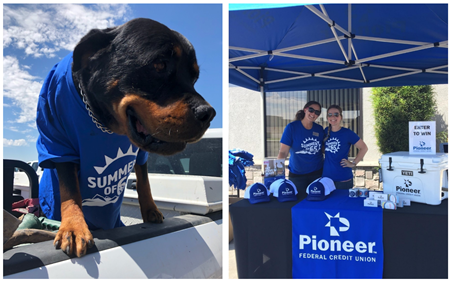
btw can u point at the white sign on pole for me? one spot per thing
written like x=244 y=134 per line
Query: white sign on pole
x=422 y=137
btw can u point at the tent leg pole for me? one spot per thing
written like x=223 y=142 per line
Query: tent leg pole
x=349 y=50
x=263 y=122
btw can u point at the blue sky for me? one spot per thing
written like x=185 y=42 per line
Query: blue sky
x=35 y=37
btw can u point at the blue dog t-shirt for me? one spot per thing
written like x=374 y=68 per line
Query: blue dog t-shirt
x=305 y=147
x=336 y=149
x=67 y=134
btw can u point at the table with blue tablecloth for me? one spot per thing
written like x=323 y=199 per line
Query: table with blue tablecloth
x=415 y=240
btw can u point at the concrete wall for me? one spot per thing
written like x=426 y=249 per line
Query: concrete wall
x=245 y=122
x=373 y=155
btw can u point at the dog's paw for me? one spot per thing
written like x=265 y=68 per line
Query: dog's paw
x=153 y=215
x=74 y=238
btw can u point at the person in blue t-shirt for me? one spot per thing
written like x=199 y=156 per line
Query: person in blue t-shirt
x=337 y=142
x=303 y=140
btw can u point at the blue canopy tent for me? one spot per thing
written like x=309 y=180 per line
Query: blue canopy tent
x=335 y=46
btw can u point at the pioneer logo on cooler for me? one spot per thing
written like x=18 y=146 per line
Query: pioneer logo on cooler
x=408 y=189
x=314 y=247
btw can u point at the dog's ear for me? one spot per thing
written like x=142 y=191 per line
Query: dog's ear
x=90 y=44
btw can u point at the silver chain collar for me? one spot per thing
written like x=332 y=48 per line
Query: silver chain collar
x=91 y=114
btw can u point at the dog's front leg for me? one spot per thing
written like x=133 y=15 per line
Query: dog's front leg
x=73 y=236
x=149 y=211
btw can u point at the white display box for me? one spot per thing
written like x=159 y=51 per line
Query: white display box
x=370 y=203
x=406 y=202
x=372 y=194
x=403 y=177
x=274 y=167
x=380 y=197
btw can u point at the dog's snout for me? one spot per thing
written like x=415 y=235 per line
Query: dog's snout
x=204 y=113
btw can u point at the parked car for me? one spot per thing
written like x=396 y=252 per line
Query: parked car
x=188 y=182
x=21 y=181
x=187 y=188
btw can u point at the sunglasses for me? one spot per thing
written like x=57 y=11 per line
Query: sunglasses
x=312 y=110
x=333 y=114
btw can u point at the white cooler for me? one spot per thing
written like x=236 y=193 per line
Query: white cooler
x=420 y=178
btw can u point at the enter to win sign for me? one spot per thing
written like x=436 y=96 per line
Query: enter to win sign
x=422 y=137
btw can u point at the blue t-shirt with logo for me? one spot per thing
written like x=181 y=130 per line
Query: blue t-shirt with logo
x=337 y=148
x=305 y=147
x=67 y=134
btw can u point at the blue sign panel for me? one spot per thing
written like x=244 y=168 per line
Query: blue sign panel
x=337 y=238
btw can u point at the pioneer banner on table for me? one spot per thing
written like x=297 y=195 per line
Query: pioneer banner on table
x=337 y=238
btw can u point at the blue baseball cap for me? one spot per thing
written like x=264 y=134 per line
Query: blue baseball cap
x=284 y=190
x=257 y=193
x=319 y=189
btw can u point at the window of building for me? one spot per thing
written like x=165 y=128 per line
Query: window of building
x=281 y=108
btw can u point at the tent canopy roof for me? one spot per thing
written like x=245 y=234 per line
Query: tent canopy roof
x=309 y=47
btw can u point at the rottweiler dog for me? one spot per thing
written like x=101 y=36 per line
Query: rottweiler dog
x=134 y=83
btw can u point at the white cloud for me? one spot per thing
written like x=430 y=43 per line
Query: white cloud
x=31 y=138
x=43 y=30
x=14 y=143
x=14 y=128
x=21 y=87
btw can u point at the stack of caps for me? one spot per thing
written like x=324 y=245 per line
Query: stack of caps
x=284 y=190
x=257 y=193
x=319 y=189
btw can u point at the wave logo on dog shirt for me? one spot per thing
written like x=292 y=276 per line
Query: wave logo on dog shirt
x=310 y=146
x=332 y=145
x=112 y=183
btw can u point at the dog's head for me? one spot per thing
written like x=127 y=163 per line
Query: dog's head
x=139 y=81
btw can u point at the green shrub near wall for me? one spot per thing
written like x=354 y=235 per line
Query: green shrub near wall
x=394 y=107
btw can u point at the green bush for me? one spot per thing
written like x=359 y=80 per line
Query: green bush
x=394 y=107
x=442 y=136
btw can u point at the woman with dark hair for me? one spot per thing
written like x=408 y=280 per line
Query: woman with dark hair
x=302 y=138
x=337 y=142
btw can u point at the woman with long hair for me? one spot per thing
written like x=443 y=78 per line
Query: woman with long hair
x=302 y=138
x=337 y=143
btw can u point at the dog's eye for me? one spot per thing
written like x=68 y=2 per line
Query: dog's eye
x=159 y=66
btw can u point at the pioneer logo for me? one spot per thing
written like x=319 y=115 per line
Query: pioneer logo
x=421 y=147
x=407 y=189
x=407 y=183
x=338 y=220
x=258 y=193
x=312 y=243
x=407 y=173
x=287 y=192
x=336 y=245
